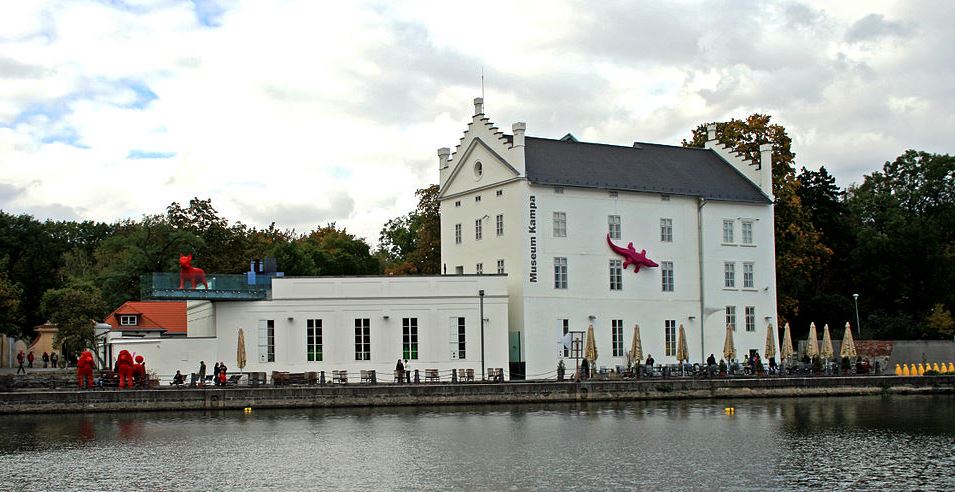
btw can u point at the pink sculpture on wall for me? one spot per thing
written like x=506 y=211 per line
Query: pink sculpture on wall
x=631 y=257
x=191 y=274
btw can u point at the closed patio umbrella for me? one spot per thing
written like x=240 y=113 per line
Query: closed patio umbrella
x=786 y=349
x=240 y=351
x=848 y=344
x=636 y=346
x=682 y=352
x=770 y=341
x=827 y=351
x=729 y=348
x=590 y=346
x=812 y=349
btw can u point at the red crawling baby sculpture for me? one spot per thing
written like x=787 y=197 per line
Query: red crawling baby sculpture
x=124 y=366
x=84 y=370
x=191 y=274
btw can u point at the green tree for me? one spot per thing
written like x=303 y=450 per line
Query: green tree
x=11 y=314
x=73 y=309
x=412 y=243
x=336 y=252
x=800 y=253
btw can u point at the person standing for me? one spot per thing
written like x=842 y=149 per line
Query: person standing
x=202 y=373
x=54 y=359
x=215 y=374
x=46 y=360
x=399 y=372
x=20 y=359
x=407 y=371
x=30 y=360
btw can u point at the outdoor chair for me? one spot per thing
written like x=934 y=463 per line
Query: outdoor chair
x=367 y=376
x=340 y=377
x=431 y=375
x=233 y=380
x=470 y=375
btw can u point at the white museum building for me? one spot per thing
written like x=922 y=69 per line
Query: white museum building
x=543 y=211
x=548 y=230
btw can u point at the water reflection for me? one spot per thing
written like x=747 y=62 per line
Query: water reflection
x=859 y=443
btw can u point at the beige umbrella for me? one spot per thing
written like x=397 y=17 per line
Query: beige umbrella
x=636 y=347
x=590 y=346
x=240 y=351
x=827 y=351
x=729 y=348
x=682 y=352
x=848 y=344
x=770 y=341
x=812 y=349
x=786 y=349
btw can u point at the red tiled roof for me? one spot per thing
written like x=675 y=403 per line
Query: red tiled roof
x=169 y=316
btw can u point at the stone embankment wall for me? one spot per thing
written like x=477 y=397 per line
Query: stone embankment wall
x=361 y=395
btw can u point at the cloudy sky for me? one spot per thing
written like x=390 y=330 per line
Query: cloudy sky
x=305 y=112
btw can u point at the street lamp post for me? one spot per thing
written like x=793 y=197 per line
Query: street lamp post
x=481 y=295
x=855 y=298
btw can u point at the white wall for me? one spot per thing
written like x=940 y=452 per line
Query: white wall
x=167 y=355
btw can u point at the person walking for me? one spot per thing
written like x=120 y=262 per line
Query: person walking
x=20 y=359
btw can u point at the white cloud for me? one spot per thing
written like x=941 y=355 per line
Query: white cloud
x=302 y=112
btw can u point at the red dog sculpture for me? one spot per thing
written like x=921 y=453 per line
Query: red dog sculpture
x=84 y=370
x=631 y=257
x=124 y=366
x=191 y=274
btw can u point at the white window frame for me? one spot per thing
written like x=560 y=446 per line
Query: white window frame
x=409 y=338
x=563 y=328
x=613 y=226
x=313 y=340
x=560 y=272
x=667 y=282
x=362 y=339
x=479 y=268
x=746 y=232
x=128 y=320
x=666 y=230
x=560 y=224
x=499 y=224
x=616 y=275
x=669 y=337
x=750 y=317
x=266 y=340
x=478 y=229
x=729 y=234
x=457 y=233
x=500 y=267
x=731 y=316
x=616 y=337
x=729 y=274
x=749 y=275
x=457 y=337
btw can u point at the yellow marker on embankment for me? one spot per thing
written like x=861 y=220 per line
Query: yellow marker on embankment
x=935 y=367
x=905 y=370
x=729 y=411
x=951 y=367
x=247 y=409
x=898 y=370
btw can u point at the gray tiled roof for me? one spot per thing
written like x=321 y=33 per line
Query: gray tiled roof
x=648 y=167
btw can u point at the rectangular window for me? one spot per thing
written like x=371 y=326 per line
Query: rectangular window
x=729 y=274
x=669 y=333
x=616 y=275
x=613 y=225
x=560 y=224
x=559 y=191
x=459 y=270
x=499 y=192
x=409 y=345
x=500 y=266
x=362 y=339
x=457 y=203
x=479 y=269
x=748 y=281
x=477 y=198
x=457 y=233
x=750 y=312
x=616 y=337
x=560 y=273
x=266 y=340
x=457 y=338
x=666 y=230
x=666 y=275
x=477 y=229
x=127 y=320
x=747 y=231
x=731 y=316
x=499 y=224
x=313 y=340
x=728 y=231
x=563 y=328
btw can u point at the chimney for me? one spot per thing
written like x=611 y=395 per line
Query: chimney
x=443 y=154
x=478 y=106
x=711 y=132
x=766 y=168
x=518 y=129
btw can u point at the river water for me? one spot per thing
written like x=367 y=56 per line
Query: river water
x=860 y=443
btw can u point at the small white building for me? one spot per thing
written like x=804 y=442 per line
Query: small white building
x=343 y=323
x=540 y=210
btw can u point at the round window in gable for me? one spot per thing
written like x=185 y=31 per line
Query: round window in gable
x=478 y=170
